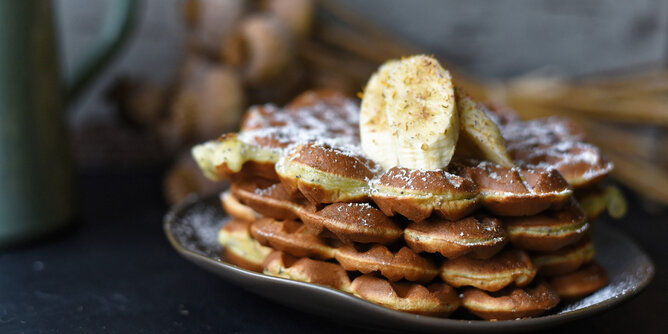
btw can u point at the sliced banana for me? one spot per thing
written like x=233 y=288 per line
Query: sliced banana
x=408 y=115
x=480 y=133
x=376 y=138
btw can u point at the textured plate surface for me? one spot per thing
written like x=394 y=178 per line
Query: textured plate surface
x=192 y=228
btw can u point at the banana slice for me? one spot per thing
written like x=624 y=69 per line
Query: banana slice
x=375 y=136
x=408 y=115
x=479 y=133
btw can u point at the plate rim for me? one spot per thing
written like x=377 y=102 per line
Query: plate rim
x=445 y=323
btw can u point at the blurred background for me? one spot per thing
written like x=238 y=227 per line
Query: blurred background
x=192 y=67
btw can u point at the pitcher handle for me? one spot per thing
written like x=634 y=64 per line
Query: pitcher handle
x=118 y=24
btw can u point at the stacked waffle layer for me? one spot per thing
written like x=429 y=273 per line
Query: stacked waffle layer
x=500 y=242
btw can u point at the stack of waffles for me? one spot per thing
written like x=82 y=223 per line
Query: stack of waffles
x=498 y=242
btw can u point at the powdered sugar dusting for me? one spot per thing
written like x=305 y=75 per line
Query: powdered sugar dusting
x=332 y=124
x=197 y=228
x=555 y=143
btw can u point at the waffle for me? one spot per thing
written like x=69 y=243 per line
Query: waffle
x=268 y=199
x=557 y=143
x=416 y=194
x=436 y=299
x=358 y=222
x=409 y=239
x=236 y=209
x=564 y=260
x=403 y=264
x=324 y=174
x=335 y=171
x=508 y=267
x=240 y=248
x=548 y=231
x=307 y=270
x=294 y=238
x=329 y=122
x=512 y=303
x=580 y=283
x=362 y=222
x=480 y=237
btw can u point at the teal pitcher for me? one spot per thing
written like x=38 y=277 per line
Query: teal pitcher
x=37 y=193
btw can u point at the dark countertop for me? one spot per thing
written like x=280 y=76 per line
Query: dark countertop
x=115 y=272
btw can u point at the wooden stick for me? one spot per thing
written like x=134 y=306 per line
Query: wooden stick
x=352 y=42
x=361 y=24
x=644 y=177
x=320 y=55
x=635 y=144
x=368 y=39
x=631 y=111
x=632 y=79
x=562 y=99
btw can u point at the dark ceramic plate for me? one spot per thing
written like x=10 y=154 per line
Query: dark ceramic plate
x=192 y=228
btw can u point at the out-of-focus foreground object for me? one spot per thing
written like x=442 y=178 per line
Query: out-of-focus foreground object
x=37 y=194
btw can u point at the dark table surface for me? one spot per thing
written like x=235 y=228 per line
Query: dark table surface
x=115 y=272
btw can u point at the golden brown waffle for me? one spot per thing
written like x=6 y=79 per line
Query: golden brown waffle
x=550 y=230
x=509 y=266
x=325 y=175
x=482 y=236
x=416 y=194
x=479 y=236
x=403 y=264
x=267 y=198
x=293 y=238
x=436 y=299
x=516 y=191
x=236 y=209
x=580 y=283
x=306 y=270
x=358 y=222
x=556 y=143
x=566 y=259
x=240 y=248
x=510 y=304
